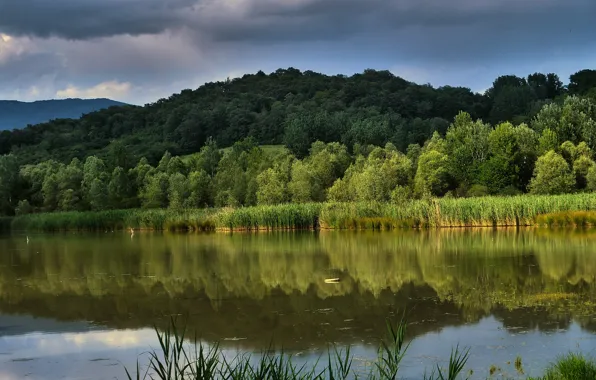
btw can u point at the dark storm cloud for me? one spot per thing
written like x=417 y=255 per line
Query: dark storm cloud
x=425 y=29
x=279 y=20
x=83 y=19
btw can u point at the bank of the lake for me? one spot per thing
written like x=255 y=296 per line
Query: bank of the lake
x=524 y=210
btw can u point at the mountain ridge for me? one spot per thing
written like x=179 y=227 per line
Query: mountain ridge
x=16 y=114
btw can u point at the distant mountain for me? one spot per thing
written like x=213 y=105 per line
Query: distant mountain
x=15 y=114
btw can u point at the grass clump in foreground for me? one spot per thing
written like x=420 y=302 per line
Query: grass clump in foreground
x=175 y=361
x=570 y=367
x=524 y=210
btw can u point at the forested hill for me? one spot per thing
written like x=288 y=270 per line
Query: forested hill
x=15 y=114
x=291 y=107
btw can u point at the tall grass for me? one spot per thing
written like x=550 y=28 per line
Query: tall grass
x=284 y=216
x=157 y=219
x=452 y=212
x=523 y=210
x=567 y=219
x=570 y=367
x=175 y=361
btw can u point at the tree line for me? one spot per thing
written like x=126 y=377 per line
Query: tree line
x=553 y=154
x=293 y=108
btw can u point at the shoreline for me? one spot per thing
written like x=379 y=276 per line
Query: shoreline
x=576 y=210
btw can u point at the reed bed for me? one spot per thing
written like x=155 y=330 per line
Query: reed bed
x=137 y=219
x=452 y=212
x=278 y=217
x=524 y=210
x=567 y=219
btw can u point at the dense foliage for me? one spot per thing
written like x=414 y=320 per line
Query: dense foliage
x=372 y=146
x=553 y=155
x=292 y=108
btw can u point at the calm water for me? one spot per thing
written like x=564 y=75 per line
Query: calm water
x=80 y=306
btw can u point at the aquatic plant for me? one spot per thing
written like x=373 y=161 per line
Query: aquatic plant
x=570 y=367
x=175 y=361
x=524 y=210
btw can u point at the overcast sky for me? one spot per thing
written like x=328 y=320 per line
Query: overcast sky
x=141 y=50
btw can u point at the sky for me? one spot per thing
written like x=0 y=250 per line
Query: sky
x=139 y=51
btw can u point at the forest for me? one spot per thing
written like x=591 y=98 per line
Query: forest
x=369 y=137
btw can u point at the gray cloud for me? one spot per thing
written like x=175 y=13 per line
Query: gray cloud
x=167 y=45
x=428 y=29
x=76 y=19
x=280 y=20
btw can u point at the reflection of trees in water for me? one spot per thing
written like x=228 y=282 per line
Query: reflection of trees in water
x=241 y=284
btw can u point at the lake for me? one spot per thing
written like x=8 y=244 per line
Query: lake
x=82 y=306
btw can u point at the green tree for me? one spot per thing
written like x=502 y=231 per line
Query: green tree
x=155 y=192
x=50 y=191
x=271 y=187
x=119 y=189
x=303 y=186
x=551 y=175
x=208 y=158
x=432 y=176
x=118 y=155
x=9 y=177
x=581 y=167
x=98 y=195
x=582 y=82
x=94 y=170
x=178 y=190
x=200 y=187
x=468 y=147
x=548 y=141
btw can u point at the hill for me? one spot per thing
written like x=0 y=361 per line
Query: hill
x=15 y=114
x=293 y=108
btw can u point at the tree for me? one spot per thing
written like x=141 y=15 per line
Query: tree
x=581 y=167
x=296 y=137
x=582 y=81
x=468 y=146
x=552 y=175
x=178 y=190
x=303 y=186
x=432 y=176
x=208 y=157
x=119 y=189
x=118 y=155
x=574 y=120
x=548 y=141
x=155 y=192
x=50 y=193
x=98 y=195
x=94 y=170
x=270 y=188
x=200 y=187
x=9 y=176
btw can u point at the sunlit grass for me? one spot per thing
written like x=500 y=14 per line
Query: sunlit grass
x=524 y=210
x=568 y=219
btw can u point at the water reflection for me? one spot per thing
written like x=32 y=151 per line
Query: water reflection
x=479 y=286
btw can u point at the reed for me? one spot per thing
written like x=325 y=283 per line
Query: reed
x=453 y=212
x=568 y=219
x=278 y=217
x=524 y=210
x=572 y=366
x=176 y=361
x=157 y=219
